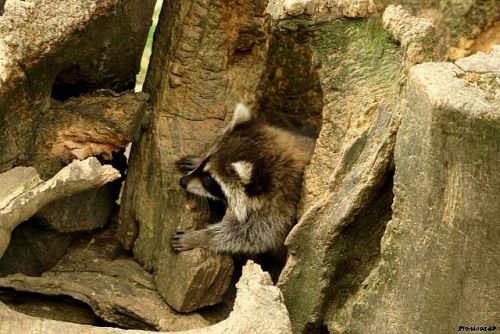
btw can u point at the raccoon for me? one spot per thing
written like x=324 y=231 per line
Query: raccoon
x=256 y=170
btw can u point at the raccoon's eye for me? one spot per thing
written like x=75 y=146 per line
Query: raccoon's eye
x=208 y=181
x=212 y=186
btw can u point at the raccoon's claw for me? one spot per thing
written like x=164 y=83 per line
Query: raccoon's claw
x=188 y=163
x=180 y=241
x=178 y=231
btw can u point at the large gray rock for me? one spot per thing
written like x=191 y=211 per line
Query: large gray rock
x=440 y=264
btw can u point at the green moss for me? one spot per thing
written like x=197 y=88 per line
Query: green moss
x=359 y=70
x=358 y=49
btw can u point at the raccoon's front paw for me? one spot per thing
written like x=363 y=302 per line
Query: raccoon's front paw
x=183 y=241
x=188 y=163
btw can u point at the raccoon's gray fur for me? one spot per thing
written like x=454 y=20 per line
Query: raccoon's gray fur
x=256 y=170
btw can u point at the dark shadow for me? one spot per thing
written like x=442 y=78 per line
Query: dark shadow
x=291 y=91
x=62 y=308
x=356 y=251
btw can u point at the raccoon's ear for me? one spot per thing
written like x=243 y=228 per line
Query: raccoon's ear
x=241 y=115
x=244 y=170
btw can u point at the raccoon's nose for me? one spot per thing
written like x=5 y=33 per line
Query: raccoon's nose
x=183 y=182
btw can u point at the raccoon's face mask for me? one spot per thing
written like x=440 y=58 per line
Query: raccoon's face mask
x=218 y=176
x=199 y=180
x=202 y=180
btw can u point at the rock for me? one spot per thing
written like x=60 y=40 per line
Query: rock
x=123 y=294
x=32 y=194
x=258 y=308
x=61 y=50
x=440 y=250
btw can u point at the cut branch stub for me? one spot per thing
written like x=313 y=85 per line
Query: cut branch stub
x=94 y=124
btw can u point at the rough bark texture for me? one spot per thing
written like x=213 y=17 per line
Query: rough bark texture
x=258 y=308
x=462 y=26
x=54 y=51
x=25 y=193
x=347 y=189
x=99 y=124
x=350 y=165
x=207 y=56
x=95 y=124
x=385 y=242
x=59 y=49
x=416 y=35
x=48 y=307
x=320 y=10
x=445 y=206
x=132 y=302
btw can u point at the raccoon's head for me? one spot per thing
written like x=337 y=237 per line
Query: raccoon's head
x=237 y=168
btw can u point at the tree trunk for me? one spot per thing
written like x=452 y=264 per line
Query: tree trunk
x=396 y=224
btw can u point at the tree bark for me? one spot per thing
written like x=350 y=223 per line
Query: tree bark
x=399 y=202
x=25 y=193
x=258 y=308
